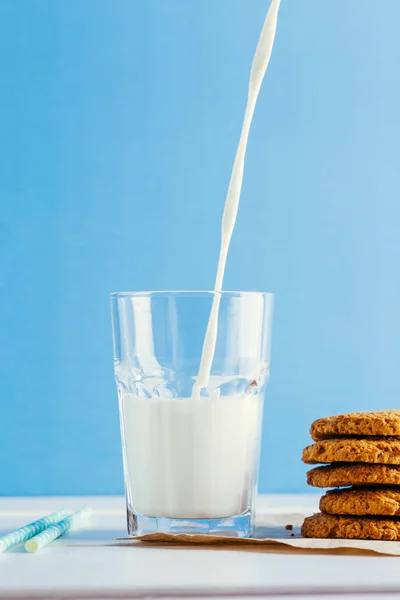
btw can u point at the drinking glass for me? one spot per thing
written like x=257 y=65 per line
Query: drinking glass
x=191 y=453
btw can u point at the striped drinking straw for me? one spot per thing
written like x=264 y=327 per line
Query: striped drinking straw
x=55 y=531
x=28 y=531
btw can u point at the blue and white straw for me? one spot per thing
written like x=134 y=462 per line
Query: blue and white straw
x=28 y=531
x=55 y=531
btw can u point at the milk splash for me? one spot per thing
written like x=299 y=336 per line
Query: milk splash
x=258 y=69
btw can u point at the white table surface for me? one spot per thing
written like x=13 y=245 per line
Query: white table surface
x=87 y=564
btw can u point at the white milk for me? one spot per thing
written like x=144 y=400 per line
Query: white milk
x=258 y=69
x=196 y=457
x=187 y=458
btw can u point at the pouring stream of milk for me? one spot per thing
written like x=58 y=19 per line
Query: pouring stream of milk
x=258 y=69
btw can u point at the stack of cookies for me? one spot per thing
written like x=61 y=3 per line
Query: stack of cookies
x=361 y=452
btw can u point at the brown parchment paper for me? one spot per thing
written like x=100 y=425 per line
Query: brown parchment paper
x=268 y=534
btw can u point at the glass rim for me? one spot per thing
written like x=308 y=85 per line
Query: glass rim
x=190 y=293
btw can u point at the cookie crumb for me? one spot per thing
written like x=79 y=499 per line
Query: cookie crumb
x=289 y=527
x=292 y=535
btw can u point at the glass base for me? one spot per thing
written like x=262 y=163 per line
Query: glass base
x=238 y=526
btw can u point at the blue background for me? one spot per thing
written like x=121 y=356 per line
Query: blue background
x=119 y=121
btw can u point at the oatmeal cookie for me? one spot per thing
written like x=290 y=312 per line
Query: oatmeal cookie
x=361 y=501
x=378 y=450
x=378 y=423
x=352 y=528
x=353 y=474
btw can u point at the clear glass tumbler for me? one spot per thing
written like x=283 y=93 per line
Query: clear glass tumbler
x=191 y=456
